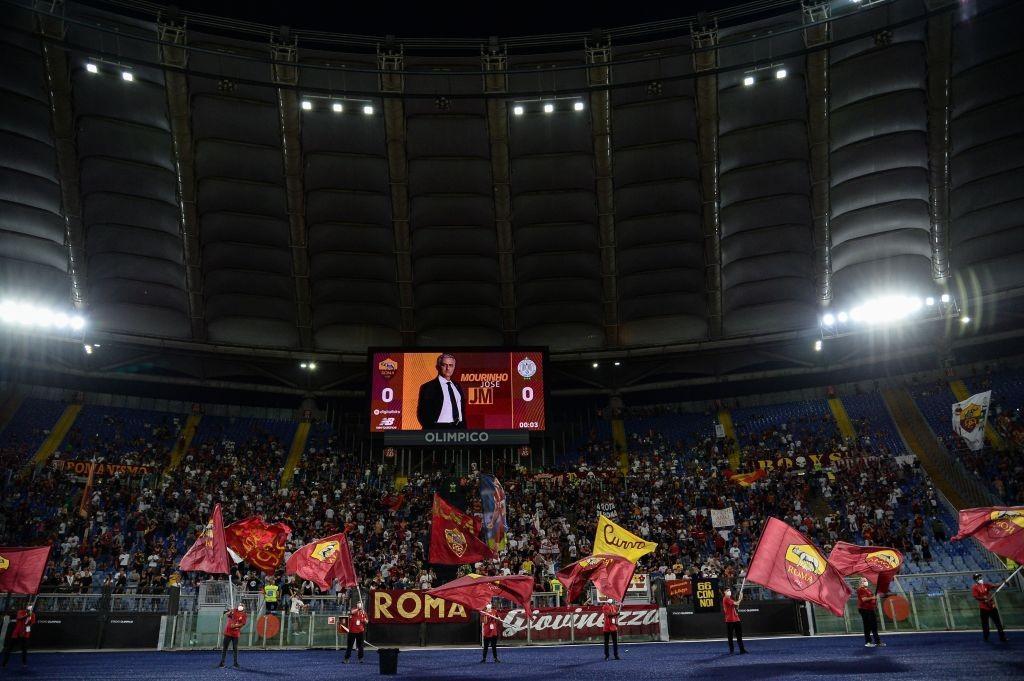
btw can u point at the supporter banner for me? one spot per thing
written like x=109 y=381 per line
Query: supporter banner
x=760 y=618
x=811 y=461
x=408 y=606
x=557 y=624
x=969 y=419
x=722 y=517
x=705 y=594
x=679 y=588
x=82 y=468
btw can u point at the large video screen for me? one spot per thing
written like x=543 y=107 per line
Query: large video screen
x=458 y=390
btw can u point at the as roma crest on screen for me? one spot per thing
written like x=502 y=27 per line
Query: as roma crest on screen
x=883 y=560
x=456 y=541
x=387 y=367
x=326 y=551
x=4 y=563
x=1006 y=523
x=804 y=565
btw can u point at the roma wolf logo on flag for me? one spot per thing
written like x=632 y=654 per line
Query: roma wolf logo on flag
x=323 y=561
x=1000 y=529
x=495 y=507
x=969 y=418
x=879 y=564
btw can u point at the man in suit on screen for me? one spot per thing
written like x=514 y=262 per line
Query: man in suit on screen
x=442 y=403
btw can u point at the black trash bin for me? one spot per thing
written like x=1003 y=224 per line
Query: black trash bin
x=388 y=658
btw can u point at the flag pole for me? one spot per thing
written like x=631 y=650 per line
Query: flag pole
x=1007 y=580
x=231 y=591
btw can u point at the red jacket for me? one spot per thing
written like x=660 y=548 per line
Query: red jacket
x=865 y=599
x=611 y=617
x=23 y=622
x=983 y=593
x=357 y=620
x=235 y=621
x=490 y=626
x=729 y=608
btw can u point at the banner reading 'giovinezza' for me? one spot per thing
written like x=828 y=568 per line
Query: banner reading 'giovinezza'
x=568 y=622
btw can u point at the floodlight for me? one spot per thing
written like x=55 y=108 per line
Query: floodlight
x=577 y=106
x=829 y=319
x=929 y=301
x=594 y=365
x=780 y=74
x=817 y=346
x=92 y=68
x=128 y=76
x=77 y=323
x=748 y=81
x=618 y=363
x=368 y=109
x=842 y=317
x=337 y=107
x=945 y=298
x=965 y=320
x=548 y=108
x=88 y=349
x=517 y=110
x=307 y=105
x=312 y=366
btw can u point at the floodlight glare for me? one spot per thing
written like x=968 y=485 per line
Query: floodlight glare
x=929 y=301
x=965 y=320
x=945 y=298
x=748 y=81
x=88 y=349
x=829 y=319
x=594 y=365
x=368 y=109
x=128 y=76
x=618 y=363
x=77 y=323
x=517 y=110
x=842 y=317
x=577 y=106
x=92 y=68
x=307 y=105
x=312 y=366
x=303 y=365
x=548 y=108
x=817 y=346
x=337 y=107
x=780 y=74
x=857 y=314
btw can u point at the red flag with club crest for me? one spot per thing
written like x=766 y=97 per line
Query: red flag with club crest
x=209 y=553
x=746 y=479
x=878 y=564
x=1000 y=529
x=476 y=591
x=453 y=536
x=609 y=573
x=258 y=543
x=323 y=561
x=788 y=563
x=22 y=568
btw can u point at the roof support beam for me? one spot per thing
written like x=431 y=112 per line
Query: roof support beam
x=389 y=62
x=285 y=72
x=58 y=81
x=817 y=82
x=495 y=62
x=174 y=54
x=706 y=60
x=939 y=55
x=599 y=74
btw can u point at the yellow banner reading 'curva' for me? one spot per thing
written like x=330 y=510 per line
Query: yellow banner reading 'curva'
x=611 y=538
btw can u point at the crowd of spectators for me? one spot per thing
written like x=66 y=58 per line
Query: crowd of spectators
x=129 y=532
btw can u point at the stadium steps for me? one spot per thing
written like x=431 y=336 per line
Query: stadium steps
x=725 y=418
x=295 y=453
x=922 y=442
x=184 y=441
x=962 y=393
x=842 y=418
x=57 y=434
x=9 y=406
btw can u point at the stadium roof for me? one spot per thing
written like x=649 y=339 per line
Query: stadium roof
x=704 y=184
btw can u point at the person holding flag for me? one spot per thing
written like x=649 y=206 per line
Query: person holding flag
x=357 y=620
x=984 y=593
x=611 y=626
x=489 y=625
x=733 y=626
x=236 y=619
x=866 y=602
x=23 y=622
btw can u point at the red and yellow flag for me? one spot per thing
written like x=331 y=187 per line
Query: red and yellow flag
x=476 y=591
x=788 y=563
x=878 y=564
x=609 y=573
x=1000 y=529
x=209 y=553
x=746 y=479
x=453 y=536
x=258 y=543
x=22 y=567
x=323 y=561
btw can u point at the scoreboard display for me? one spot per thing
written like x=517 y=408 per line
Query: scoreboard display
x=472 y=390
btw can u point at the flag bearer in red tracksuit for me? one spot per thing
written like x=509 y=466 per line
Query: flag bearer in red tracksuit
x=866 y=607
x=357 y=620
x=491 y=629
x=236 y=619
x=732 y=620
x=983 y=593
x=23 y=622
x=611 y=627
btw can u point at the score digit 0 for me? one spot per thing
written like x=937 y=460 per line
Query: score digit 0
x=387 y=394
x=527 y=394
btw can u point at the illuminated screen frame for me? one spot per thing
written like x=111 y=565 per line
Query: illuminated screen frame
x=456 y=349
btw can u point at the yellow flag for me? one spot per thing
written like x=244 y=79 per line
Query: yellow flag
x=611 y=538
